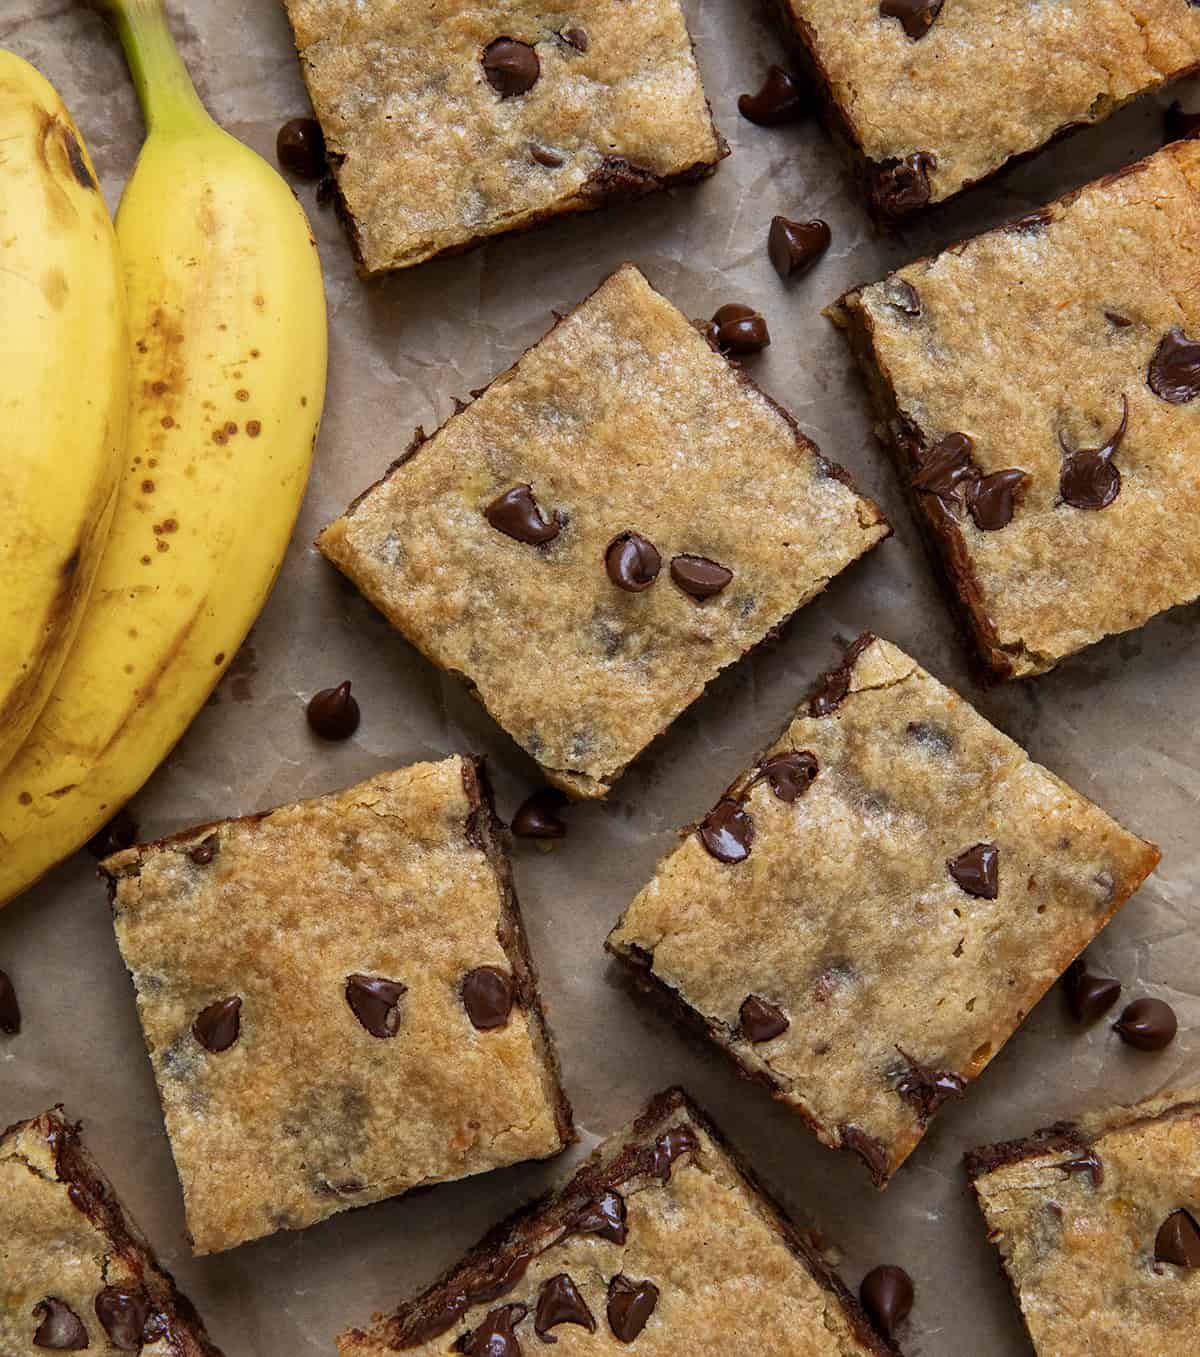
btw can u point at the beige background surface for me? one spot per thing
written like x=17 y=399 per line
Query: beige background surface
x=1117 y=722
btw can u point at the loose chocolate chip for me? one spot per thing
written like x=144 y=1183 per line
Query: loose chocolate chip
x=218 y=1026
x=926 y=1088
x=781 y=99
x=495 y=1336
x=1174 y=372
x=1147 y=1024
x=699 y=577
x=1178 y=1240
x=537 y=815
x=10 y=1010
x=977 y=870
x=887 y=1297
x=902 y=295
x=487 y=995
x=630 y=1305
x=545 y=156
x=511 y=67
x=576 y=38
x=632 y=562
x=1178 y=125
x=333 y=713
x=727 y=831
x=916 y=16
x=740 y=329
x=604 y=1217
x=902 y=186
x=516 y=514
x=300 y=148
x=790 y=774
x=203 y=852
x=795 y=246
x=375 y=1002
x=1089 y=480
x=123 y=1316
x=1089 y=996
x=60 y=1329
x=990 y=498
x=120 y=832
x=559 y=1302
x=759 y=1020
x=1089 y=1163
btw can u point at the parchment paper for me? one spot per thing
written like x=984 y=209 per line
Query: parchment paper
x=1118 y=722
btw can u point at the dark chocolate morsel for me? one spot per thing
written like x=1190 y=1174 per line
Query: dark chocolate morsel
x=120 y=832
x=219 y=1025
x=576 y=38
x=122 y=1315
x=537 y=815
x=870 y=1149
x=487 y=995
x=1148 y=1024
x=1174 y=372
x=603 y=1217
x=699 y=577
x=559 y=1302
x=727 y=831
x=944 y=467
x=1178 y=1240
x=781 y=99
x=795 y=246
x=926 y=1088
x=990 y=498
x=61 y=1328
x=1089 y=996
x=916 y=16
x=977 y=870
x=902 y=186
x=10 y=1010
x=495 y=1336
x=632 y=562
x=203 y=852
x=516 y=514
x=1178 y=124
x=760 y=1020
x=333 y=713
x=790 y=773
x=671 y=1145
x=375 y=1002
x=630 y=1305
x=511 y=67
x=1089 y=1163
x=300 y=148
x=902 y=295
x=1117 y=321
x=887 y=1297
x=1089 y=480
x=545 y=156
x=740 y=329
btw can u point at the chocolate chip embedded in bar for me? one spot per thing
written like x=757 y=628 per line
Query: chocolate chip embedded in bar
x=946 y=880
x=662 y=1242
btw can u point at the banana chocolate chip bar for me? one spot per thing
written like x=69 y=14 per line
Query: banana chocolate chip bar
x=661 y=1244
x=1098 y=1225
x=613 y=521
x=1037 y=387
x=871 y=909
x=448 y=123
x=338 y=1002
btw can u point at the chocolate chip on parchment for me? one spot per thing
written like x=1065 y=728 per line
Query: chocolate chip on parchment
x=1147 y=1024
x=61 y=1328
x=516 y=514
x=780 y=99
x=632 y=562
x=205 y=851
x=790 y=773
x=120 y=832
x=760 y=1020
x=1174 y=372
x=740 y=329
x=603 y=1217
x=886 y=1293
x=1089 y=480
x=902 y=186
x=630 y=1305
x=902 y=295
x=375 y=1002
x=1089 y=996
x=487 y=995
x=219 y=1025
x=537 y=816
x=1178 y=124
x=977 y=870
x=511 y=67
x=727 y=831
x=1178 y=1240
x=300 y=148
x=10 y=1010
x=495 y=1336
x=916 y=16
x=795 y=246
x=990 y=499
x=123 y=1315
x=699 y=577
x=559 y=1302
x=334 y=713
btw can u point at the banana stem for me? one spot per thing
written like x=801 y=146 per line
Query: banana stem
x=164 y=87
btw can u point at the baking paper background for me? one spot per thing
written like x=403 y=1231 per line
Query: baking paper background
x=1118 y=722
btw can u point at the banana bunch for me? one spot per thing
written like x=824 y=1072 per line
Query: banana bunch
x=227 y=360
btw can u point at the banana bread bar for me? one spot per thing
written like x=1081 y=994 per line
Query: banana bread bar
x=871 y=910
x=448 y=123
x=338 y=1002
x=1037 y=387
x=75 y=1272
x=1098 y=1226
x=616 y=519
x=662 y=1241
x=931 y=96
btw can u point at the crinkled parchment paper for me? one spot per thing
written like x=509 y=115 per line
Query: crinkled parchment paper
x=1118 y=722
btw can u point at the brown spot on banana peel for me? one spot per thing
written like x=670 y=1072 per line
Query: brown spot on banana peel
x=78 y=161
x=55 y=289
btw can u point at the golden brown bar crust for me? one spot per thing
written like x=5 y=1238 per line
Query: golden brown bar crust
x=621 y=418
x=896 y=984
x=309 y=1111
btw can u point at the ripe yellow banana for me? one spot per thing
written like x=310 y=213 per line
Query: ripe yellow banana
x=227 y=323
x=64 y=389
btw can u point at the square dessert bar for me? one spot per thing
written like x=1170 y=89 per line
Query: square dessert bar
x=931 y=96
x=1098 y=1226
x=616 y=519
x=662 y=1241
x=75 y=1272
x=1037 y=387
x=870 y=911
x=338 y=1002
x=448 y=123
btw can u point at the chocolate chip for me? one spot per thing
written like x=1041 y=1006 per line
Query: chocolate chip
x=669 y=1146
x=790 y=774
x=375 y=1002
x=870 y=1149
x=990 y=498
x=218 y=1026
x=759 y=1020
x=916 y=16
x=945 y=466
x=559 y=1302
x=630 y=1305
x=1089 y=480
x=487 y=995
x=545 y=156
x=977 y=870
x=1174 y=372
x=537 y=815
x=516 y=514
x=1089 y=1163
x=887 y=1297
x=603 y=1217
x=202 y=853
x=902 y=186
x=632 y=562
x=511 y=67
x=1118 y=321
x=831 y=691
x=740 y=329
x=926 y=1088
x=333 y=713
x=495 y=1336
x=10 y=1010
x=120 y=832
x=123 y=1316
x=781 y=99
x=727 y=831
x=902 y=295
x=699 y=577
x=300 y=148
x=1178 y=1240
x=795 y=246
x=1179 y=125
x=1147 y=1024
x=576 y=38
x=60 y=1329
x=1089 y=996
